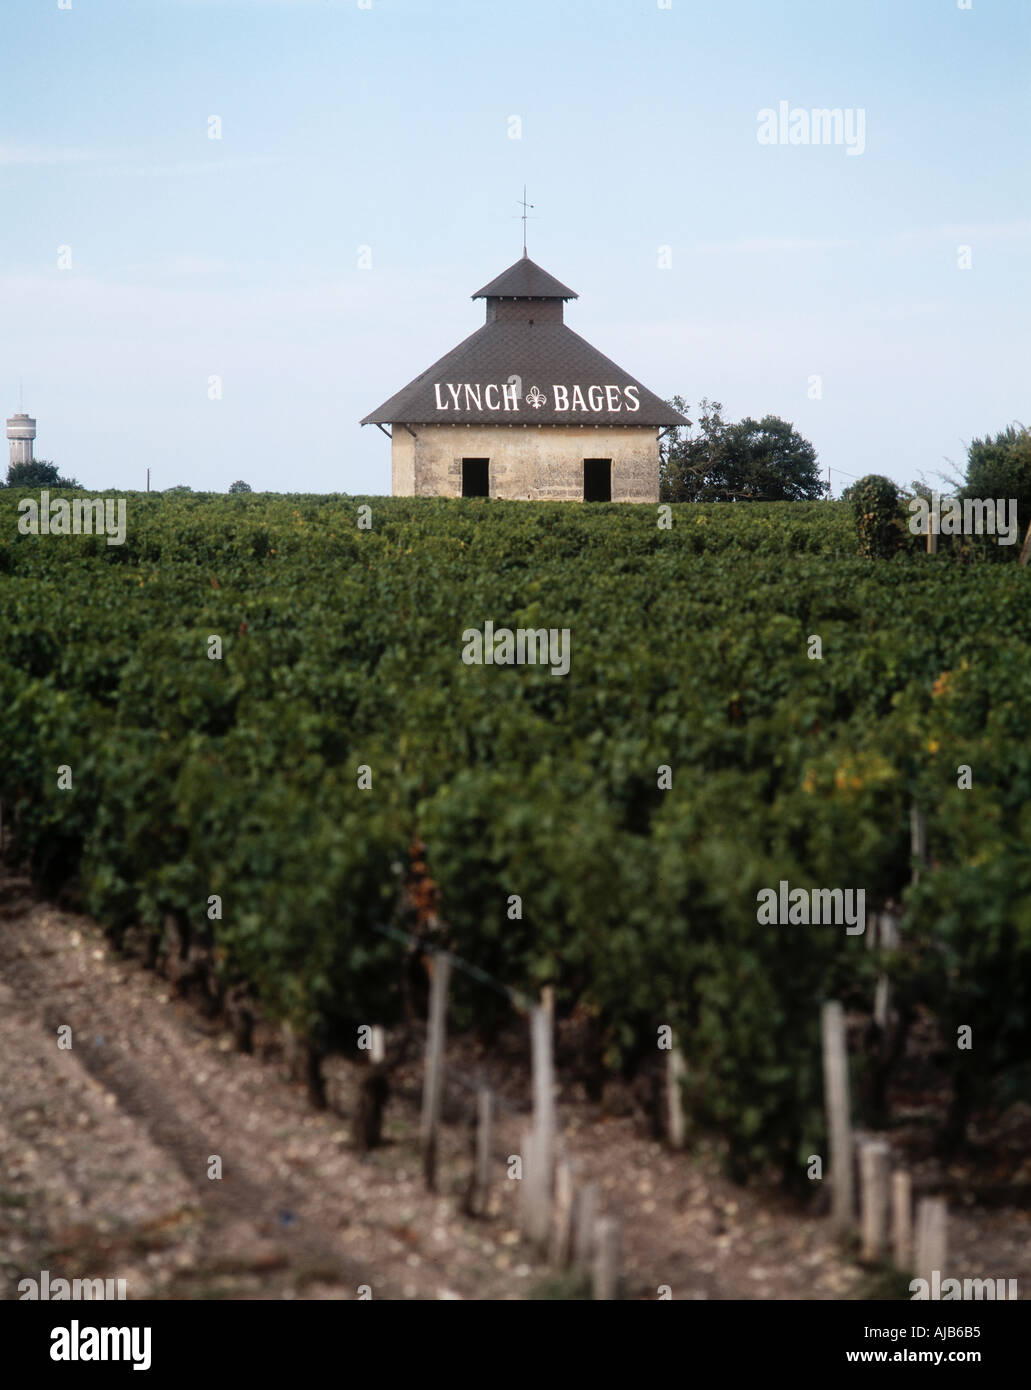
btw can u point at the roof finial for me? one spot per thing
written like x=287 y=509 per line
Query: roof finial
x=525 y=205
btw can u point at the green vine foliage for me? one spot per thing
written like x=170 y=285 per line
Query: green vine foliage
x=238 y=778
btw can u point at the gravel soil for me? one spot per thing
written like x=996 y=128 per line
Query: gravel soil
x=105 y=1150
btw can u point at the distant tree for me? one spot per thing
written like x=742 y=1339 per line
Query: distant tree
x=180 y=487
x=673 y=443
x=918 y=488
x=945 y=485
x=37 y=473
x=240 y=487
x=763 y=460
x=1000 y=467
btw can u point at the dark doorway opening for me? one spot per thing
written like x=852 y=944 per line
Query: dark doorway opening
x=476 y=477
x=597 y=480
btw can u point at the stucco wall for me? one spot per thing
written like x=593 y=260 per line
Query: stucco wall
x=402 y=462
x=537 y=463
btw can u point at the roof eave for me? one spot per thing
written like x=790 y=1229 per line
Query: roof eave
x=652 y=422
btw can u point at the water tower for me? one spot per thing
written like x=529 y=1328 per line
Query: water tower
x=21 y=431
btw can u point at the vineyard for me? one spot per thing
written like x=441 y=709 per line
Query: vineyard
x=606 y=832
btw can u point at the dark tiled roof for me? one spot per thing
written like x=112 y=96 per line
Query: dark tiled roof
x=525 y=280
x=540 y=354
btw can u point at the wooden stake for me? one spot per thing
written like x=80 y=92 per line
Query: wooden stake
x=605 y=1270
x=585 y=1211
x=433 y=1082
x=562 y=1214
x=931 y=1238
x=291 y=1045
x=839 y=1119
x=484 y=1149
x=902 y=1219
x=889 y=932
x=874 y=938
x=1025 y=549
x=533 y=1210
x=881 y=1002
x=872 y=930
x=543 y=1155
x=874 y=1157
x=541 y=1030
x=373 y=1093
x=536 y=1192
x=887 y=940
x=676 y=1070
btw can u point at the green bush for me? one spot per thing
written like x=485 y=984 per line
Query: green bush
x=875 y=503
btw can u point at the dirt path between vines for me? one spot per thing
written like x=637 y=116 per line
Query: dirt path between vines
x=105 y=1152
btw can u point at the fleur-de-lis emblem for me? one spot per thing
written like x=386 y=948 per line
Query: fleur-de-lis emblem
x=536 y=398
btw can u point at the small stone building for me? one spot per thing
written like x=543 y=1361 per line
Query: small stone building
x=525 y=408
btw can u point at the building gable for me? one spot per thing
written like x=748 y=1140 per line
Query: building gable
x=525 y=366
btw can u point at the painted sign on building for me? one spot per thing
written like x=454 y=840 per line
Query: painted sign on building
x=467 y=396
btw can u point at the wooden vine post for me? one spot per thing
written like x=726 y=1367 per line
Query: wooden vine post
x=874 y=1164
x=562 y=1215
x=539 y=1162
x=433 y=1083
x=839 y=1118
x=676 y=1124
x=605 y=1264
x=902 y=1219
x=484 y=1150
x=931 y=1238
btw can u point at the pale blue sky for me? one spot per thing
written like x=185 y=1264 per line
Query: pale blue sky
x=388 y=127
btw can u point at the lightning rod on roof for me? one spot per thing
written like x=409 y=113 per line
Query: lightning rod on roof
x=524 y=205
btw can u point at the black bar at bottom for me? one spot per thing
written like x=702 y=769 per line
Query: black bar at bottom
x=196 y=1340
